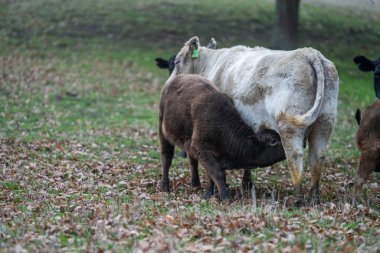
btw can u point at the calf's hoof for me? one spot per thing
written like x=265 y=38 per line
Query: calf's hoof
x=165 y=187
x=208 y=194
x=195 y=183
x=224 y=196
x=247 y=186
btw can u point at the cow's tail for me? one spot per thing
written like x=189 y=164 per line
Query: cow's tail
x=310 y=116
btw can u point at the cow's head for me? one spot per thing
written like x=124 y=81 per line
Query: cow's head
x=212 y=44
x=189 y=58
x=166 y=64
x=367 y=65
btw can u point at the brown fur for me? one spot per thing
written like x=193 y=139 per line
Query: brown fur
x=199 y=119
x=368 y=141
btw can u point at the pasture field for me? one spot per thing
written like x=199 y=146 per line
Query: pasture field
x=79 y=160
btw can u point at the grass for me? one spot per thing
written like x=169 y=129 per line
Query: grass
x=79 y=160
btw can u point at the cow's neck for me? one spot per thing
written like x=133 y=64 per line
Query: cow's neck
x=213 y=66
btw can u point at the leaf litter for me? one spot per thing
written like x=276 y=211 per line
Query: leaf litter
x=73 y=192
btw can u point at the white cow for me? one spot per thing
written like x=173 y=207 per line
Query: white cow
x=293 y=92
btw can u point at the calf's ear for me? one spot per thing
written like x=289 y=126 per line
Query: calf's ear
x=212 y=44
x=364 y=64
x=193 y=45
x=161 y=63
x=358 y=116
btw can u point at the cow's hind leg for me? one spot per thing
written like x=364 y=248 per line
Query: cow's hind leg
x=318 y=140
x=292 y=141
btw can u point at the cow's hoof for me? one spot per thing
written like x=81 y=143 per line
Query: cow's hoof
x=299 y=198
x=300 y=202
x=314 y=196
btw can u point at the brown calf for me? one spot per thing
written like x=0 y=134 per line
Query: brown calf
x=368 y=141
x=199 y=119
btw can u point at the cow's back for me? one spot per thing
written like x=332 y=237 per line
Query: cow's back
x=268 y=82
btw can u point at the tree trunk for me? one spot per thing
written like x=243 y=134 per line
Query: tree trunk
x=285 y=32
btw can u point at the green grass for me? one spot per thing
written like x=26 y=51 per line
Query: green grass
x=79 y=160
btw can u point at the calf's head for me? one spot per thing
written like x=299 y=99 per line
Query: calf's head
x=266 y=148
x=368 y=142
x=367 y=65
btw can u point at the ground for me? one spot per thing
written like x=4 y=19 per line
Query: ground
x=79 y=160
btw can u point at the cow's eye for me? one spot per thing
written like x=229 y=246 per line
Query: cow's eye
x=177 y=62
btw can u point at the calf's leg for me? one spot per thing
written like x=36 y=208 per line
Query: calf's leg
x=367 y=164
x=195 y=182
x=210 y=188
x=216 y=173
x=247 y=180
x=167 y=153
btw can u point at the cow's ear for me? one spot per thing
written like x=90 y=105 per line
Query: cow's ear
x=161 y=63
x=358 y=116
x=193 y=45
x=212 y=44
x=364 y=64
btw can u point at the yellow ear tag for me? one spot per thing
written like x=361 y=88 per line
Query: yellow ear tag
x=195 y=53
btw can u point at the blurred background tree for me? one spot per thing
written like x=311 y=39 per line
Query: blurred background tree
x=285 y=30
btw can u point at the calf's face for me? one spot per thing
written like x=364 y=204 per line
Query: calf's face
x=367 y=65
x=266 y=148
